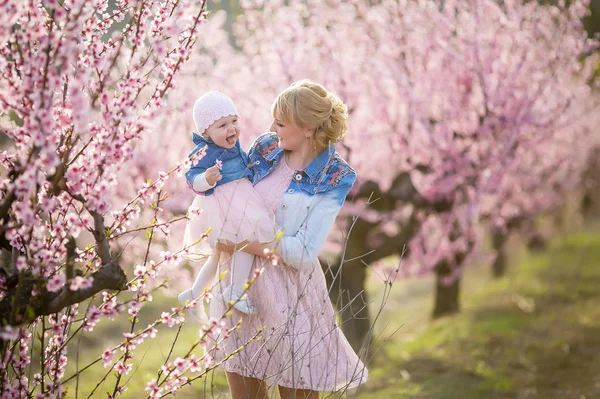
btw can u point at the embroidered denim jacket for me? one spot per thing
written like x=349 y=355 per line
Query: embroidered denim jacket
x=311 y=202
x=234 y=162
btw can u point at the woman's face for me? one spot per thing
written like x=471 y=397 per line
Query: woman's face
x=291 y=138
x=224 y=132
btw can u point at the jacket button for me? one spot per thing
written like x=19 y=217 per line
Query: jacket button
x=256 y=162
x=290 y=191
x=283 y=206
x=298 y=177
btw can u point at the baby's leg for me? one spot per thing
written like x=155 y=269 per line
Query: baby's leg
x=241 y=266
x=206 y=279
x=207 y=275
x=240 y=272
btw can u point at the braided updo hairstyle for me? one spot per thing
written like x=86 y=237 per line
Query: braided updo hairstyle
x=309 y=105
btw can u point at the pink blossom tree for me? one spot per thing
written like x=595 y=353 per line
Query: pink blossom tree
x=82 y=86
x=452 y=104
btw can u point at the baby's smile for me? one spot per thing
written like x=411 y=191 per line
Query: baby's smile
x=231 y=139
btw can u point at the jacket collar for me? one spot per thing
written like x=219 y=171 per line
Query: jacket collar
x=274 y=154
x=314 y=168
x=318 y=165
x=197 y=139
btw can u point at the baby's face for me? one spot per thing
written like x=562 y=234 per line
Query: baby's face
x=224 y=132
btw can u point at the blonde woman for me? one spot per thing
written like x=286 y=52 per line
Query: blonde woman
x=300 y=176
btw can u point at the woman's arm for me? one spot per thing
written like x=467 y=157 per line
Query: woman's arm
x=251 y=247
x=301 y=249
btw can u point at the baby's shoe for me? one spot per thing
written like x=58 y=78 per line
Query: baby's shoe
x=243 y=305
x=198 y=312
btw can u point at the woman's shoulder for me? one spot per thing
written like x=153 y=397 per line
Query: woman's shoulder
x=265 y=144
x=338 y=172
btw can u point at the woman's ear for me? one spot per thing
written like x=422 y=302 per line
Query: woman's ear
x=309 y=133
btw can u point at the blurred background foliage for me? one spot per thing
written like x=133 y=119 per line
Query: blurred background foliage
x=534 y=333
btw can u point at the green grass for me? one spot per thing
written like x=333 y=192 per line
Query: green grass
x=534 y=333
x=149 y=356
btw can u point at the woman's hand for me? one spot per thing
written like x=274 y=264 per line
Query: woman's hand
x=251 y=247
x=226 y=246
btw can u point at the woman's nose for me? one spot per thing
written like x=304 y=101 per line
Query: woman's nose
x=272 y=128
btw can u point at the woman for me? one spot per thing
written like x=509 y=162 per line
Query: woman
x=300 y=176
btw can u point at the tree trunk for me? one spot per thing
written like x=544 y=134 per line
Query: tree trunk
x=348 y=296
x=446 y=295
x=498 y=241
x=591 y=186
x=347 y=290
x=353 y=302
x=587 y=204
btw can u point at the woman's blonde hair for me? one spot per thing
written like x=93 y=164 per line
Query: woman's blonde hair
x=309 y=105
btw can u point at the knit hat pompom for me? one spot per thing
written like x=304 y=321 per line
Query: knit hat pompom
x=212 y=106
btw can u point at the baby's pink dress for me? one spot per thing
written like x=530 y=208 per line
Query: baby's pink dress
x=301 y=345
x=234 y=212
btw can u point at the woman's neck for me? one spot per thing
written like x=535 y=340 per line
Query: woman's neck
x=300 y=159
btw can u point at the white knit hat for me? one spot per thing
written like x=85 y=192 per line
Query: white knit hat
x=212 y=106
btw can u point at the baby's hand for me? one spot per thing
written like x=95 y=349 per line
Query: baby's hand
x=213 y=175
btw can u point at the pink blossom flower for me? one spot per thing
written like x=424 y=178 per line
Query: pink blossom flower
x=56 y=282
x=21 y=263
x=123 y=368
x=81 y=283
x=167 y=319
x=9 y=333
x=152 y=332
x=154 y=391
x=180 y=364
x=195 y=211
x=208 y=361
x=130 y=342
x=107 y=357
x=139 y=270
x=92 y=318
x=195 y=365
x=134 y=308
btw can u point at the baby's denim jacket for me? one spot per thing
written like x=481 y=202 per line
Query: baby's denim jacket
x=234 y=162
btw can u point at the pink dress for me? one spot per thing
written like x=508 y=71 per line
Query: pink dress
x=301 y=345
x=234 y=212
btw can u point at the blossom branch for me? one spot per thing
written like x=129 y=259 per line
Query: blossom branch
x=109 y=276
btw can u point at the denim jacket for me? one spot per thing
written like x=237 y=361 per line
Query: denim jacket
x=311 y=202
x=234 y=162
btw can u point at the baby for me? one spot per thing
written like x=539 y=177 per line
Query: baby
x=230 y=207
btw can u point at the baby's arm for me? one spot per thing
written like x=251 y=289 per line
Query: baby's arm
x=201 y=178
x=206 y=180
x=200 y=184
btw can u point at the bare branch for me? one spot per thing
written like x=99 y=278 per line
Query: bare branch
x=99 y=232
x=71 y=246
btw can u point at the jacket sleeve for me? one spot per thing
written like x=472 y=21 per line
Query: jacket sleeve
x=302 y=249
x=195 y=177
